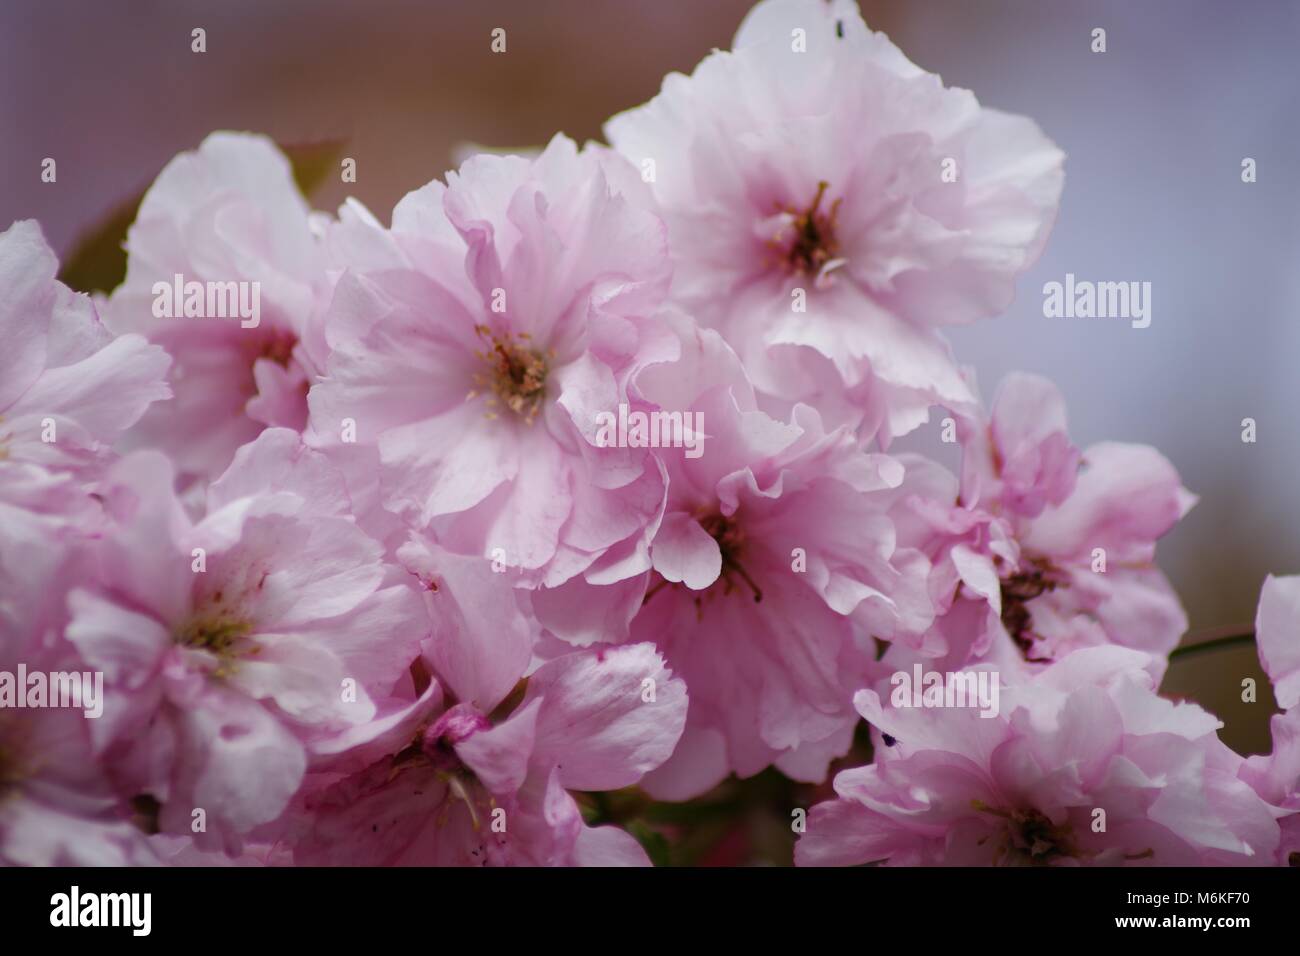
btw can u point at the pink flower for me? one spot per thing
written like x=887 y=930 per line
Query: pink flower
x=1083 y=765
x=774 y=566
x=1276 y=777
x=180 y=851
x=474 y=345
x=814 y=160
x=477 y=770
x=68 y=388
x=965 y=547
x=45 y=521
x=228 y=218
x=1055 y=547
x=1278 y=638
x=56 y=805
x=234 y=646
x=1086 y=573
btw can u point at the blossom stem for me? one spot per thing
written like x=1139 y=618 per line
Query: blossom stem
x=1233 y=637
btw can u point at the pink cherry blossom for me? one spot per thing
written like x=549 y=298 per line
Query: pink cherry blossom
x=232 y=646
x=474 y=537
x=68 y=388
x=473 y=345
x=815 y=159
x=1276 y=776
x=1083 y=765
x=228 y=214
x=46 y=520
x=1279 y=641
x=477 y=769
x=1055 y=547
x=774 y=566
x=56 y=805
x=1086 y=573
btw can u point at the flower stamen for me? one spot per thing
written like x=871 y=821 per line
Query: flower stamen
x=516 y=374
x=814 y=247
x=1017 y=591
x=731 y=542
x=1030 y=837
x=220 y=635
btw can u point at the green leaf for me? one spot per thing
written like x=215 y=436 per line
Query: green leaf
x=654 y=843
x=98 y=260
x=313 y=162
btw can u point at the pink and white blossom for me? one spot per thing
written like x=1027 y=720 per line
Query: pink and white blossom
x=1276 y=776
x=472 y=347
x=227 y=215
x=234 y=645
x=477 y=769
x=68 y=387
x=831 y=206
x=774 y=567
x=369 y=579
x=57 y=807
x=1083 y=765
x=68 y=390
x=1053 y=547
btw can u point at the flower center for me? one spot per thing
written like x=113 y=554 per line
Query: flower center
x=278 y=346
x=1033 y=837
x=731 y=542
x=1030 y=837
x=516 y=373
x=1017 y=591
x=434 y=746
x=806 y=239
x=221 y=635
x=438 y=742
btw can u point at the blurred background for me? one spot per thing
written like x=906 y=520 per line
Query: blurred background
x=1155 y=129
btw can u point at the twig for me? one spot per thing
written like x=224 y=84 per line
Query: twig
x=1215 y=640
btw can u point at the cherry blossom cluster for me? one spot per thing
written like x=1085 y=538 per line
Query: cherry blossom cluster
x=366 y=581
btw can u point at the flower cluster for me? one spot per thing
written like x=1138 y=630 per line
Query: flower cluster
x=403 y=544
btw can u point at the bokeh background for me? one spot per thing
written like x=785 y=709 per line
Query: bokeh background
x=1155 y=130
